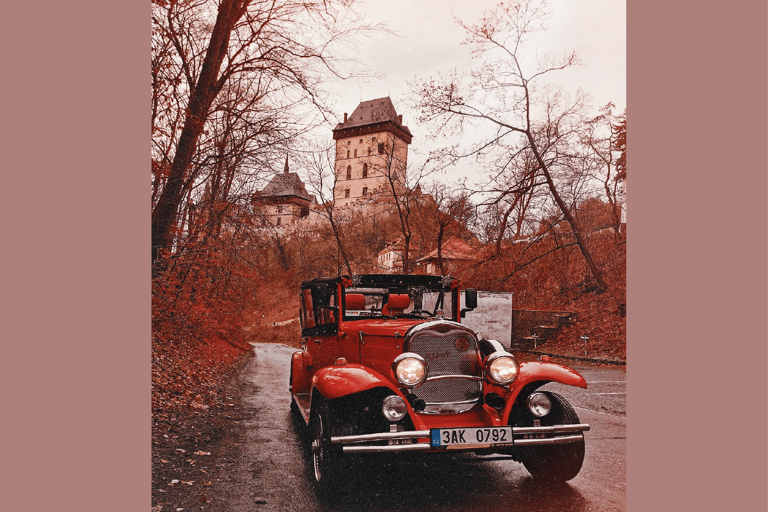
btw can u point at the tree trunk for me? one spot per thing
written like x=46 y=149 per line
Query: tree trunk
x=440 y=249
x=202 y=96
x=574 y=227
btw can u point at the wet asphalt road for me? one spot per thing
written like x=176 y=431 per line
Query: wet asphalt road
x=272 y=471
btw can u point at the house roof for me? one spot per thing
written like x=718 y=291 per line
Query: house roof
x=398 y=246
x=453 y=249
x=286 y=184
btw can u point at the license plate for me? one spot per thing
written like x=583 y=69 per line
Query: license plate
x=471 y=437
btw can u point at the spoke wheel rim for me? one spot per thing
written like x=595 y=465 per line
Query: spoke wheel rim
x=317 y=449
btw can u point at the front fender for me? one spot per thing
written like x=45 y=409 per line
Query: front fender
x=337 y=381
x=550 y=372
x=535 y=374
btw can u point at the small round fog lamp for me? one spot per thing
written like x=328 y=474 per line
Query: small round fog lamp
x=539 y=404
x=393 y=408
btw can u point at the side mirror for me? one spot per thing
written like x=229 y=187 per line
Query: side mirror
x=470 y=298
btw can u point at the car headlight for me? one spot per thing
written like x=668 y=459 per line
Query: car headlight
x=393 y=408
x=410 y=369
x=502 y=368
x=539 y=404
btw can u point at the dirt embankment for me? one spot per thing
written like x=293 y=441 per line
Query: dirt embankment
x=190 y=455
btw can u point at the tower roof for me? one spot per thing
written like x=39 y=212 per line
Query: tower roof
x=375 y=114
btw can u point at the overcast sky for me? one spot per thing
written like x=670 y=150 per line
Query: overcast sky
x=430 y=41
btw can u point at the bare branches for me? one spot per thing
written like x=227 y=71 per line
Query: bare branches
x=540 y=130
x=280 y=50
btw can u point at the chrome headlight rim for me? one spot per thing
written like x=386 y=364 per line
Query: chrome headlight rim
x=393 y=408
x=492 y=368
x=410 y=358
x=539 y=404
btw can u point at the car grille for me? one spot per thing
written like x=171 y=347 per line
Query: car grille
x=440 y=351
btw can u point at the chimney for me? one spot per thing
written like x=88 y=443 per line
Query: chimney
x=345 y=117
x=285 y=171
x=400 y=119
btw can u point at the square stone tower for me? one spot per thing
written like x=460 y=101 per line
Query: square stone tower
x=371 y=153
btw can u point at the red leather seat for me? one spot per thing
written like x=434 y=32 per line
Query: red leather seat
x=354 y=301
x=396 y=303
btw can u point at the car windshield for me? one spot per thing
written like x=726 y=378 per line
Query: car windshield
x=402 y=301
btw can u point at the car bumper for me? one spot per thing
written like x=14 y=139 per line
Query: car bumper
x=410 y=441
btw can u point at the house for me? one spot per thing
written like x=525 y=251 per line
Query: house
x=455 y=252
x=284 y=200
x=390 y=260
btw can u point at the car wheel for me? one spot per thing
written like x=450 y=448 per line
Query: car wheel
x=325 y=459
x=557 y=463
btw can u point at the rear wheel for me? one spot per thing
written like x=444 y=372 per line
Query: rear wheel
x=557 y=463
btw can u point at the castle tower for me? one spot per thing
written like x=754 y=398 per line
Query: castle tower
x=371 y=153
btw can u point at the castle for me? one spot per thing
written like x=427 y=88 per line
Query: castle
x=371 y=153
x=369 y=169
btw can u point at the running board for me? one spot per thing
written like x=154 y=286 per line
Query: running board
x=302 y=400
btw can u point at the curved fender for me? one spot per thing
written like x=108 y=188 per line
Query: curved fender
x=337 y=381
x=543 y=373
x=533 y=371
x=300 y=378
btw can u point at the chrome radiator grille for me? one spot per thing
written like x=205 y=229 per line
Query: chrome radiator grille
x=442 y=353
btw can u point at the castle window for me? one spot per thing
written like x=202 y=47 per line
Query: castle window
x=349 y=172
x=278 y=221
x=361 y=141
x=347 y=153
x=369 y=151
x=381 y=148
x=365 y=191
x=365 y=170
x=346 y=193
x=355 y=153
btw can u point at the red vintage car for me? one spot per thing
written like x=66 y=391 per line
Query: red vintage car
x=386 y=366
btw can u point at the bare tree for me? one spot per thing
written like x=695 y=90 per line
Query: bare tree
x=515 y=188
x=322 y=182
x=502 y=94
x=285 y=47
x=402 y=199
x=443 y=214
x=605 y=135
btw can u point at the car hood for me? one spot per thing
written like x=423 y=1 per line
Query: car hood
x=383 y=327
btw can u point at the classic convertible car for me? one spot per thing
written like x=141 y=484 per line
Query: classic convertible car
x=386 y=366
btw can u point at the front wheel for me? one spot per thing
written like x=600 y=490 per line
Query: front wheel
x=557 y=463
x=325 y=459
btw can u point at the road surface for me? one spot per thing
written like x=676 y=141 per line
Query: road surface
x=272 y=470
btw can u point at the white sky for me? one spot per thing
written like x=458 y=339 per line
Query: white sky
x=430 y=41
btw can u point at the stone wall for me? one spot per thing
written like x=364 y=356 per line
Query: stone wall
x=530 y=328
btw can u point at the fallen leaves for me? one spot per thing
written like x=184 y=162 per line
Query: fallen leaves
x=184 y=482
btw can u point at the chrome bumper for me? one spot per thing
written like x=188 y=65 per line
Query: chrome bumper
x=522 y=436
